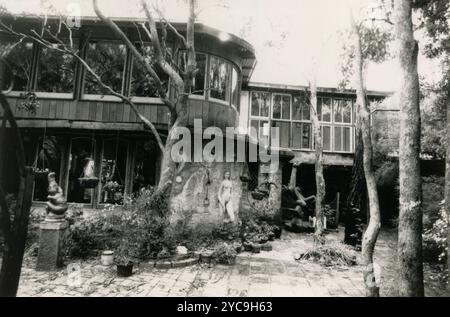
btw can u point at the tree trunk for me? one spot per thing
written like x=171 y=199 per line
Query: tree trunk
x=15 y=244
x=357 y=198
x=447 y=188
x=410 y=262
x=373 y=228
x=320 y=182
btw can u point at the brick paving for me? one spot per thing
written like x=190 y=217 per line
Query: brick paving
x=274 y=273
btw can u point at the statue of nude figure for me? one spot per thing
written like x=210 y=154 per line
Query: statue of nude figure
x=225 y=198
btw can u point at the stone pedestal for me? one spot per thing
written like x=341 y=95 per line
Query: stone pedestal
x=51 y=242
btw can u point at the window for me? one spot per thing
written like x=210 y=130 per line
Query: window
x=342 y=139
x=281 y=107
x=18 y=65
x=326 y=138
x=219 y=79
x=108 y=61
x=142 y=84
x=300 y=109
x=324 y=109
x=56 y=71
x=342 y=109
x=235 y=83
x=81 y=164
x=260 y=130
x=301 y=135
x=284 y=132
x=48 y=157
x=113 y=170
x=145 y=165
x=198 y=85
x=260 y=104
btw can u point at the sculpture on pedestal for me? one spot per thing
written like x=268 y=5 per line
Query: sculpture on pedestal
x=57 y=203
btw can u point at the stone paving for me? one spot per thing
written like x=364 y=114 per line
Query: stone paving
x=274 y=273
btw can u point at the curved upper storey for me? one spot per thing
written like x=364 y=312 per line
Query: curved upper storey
x=69 y=95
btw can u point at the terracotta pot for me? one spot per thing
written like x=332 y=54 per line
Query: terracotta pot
x=125 y=270
x=107 y=258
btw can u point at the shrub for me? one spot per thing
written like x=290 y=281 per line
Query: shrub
x=334 y=254
x=224 y=254
x=435 y=239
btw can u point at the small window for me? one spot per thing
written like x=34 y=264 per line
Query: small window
x=342 y=139
x=260 y=104
x=284 y=132
x=107 y=60
x=198 y=84
x=219 y=81
x=18 y=65
x=142 y=84
x=56 y=71
x=324 y=109
x=301 y=135
x=281 y=107
x=260 y=130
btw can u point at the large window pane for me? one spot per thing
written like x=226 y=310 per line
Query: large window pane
x=107 y=60
x=276 y=112
x=48 y=158
x=235 y=87
x=337 y=109
x=346 y=139
x=255 y=104
x=17 y=67
x=284 y=132
x=114 y=162
x=198 y=84
x=300 y=108
x=324 y=109
x=81 y=164
x=306 y=135
x=281 y=107
x=219 y=82
x=286 y=107
x=338 y=139
x=347 y=111
x=145 y=165
x=326 y=138
x=56 y=71
x=301 y=135
x=265 y=104
x=142 y=84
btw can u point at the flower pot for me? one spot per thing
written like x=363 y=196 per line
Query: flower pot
x=88 y=182
x=107 y=258
x=125 y=270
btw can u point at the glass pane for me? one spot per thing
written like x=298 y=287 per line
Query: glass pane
x=219 y=79
x=326 y=138
x=235 y=87
x=347 y=111
x=346 y=139
x=297 y=135
x=264 y=132
x=297 y=108
x=338 y=138
x=326 y=110
x=255 y=103
x=81 y=164
x=107 y=60
x=199 y=79
x=48 y=158
x=56 y=71
x=265 y=104
x=276 y=112
x=306 y=111
x=254 y=128
x=319 y=108
x=114 y=162
x=142 y=84
x=145 y=165
x=337 y=108
x=306 y=136
x=284 y=132
x=286 y=112
x=18 y=65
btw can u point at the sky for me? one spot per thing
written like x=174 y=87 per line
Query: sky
x=295 y=40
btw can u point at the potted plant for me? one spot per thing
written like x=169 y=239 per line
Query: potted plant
x=123 y=261
x=107 y=258
x=41 y=173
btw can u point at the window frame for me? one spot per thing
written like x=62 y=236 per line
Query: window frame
x=229 y=81
x=281 y=113
x=125 y=71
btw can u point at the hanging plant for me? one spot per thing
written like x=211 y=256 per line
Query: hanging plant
x=88 y=182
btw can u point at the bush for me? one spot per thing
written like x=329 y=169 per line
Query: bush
x=224 y=254
x=435 y=239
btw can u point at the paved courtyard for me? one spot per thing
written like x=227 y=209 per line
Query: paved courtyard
x=274 y=273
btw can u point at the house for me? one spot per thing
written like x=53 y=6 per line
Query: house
x=80 y=131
